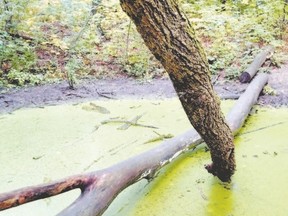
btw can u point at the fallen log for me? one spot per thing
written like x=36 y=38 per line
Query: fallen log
x=229 y=96
x=241 y=109
x=252 y=69
x=99 y=188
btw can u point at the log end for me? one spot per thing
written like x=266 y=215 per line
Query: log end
x=223 y=168
x=245 y=77
x=223 y=174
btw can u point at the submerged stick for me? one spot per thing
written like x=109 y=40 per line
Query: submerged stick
x=132 y=122
x=99 y=188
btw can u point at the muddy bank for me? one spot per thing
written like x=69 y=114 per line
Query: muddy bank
x=109 y=89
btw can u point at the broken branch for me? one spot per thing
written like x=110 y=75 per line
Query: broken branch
x=127 y=124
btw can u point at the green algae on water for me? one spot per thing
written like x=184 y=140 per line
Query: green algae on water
x=41 y=145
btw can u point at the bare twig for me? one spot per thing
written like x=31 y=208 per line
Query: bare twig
x=159 y=137
x=127 y=122
x=132 y=122
x=262 y=128
x=127 y=40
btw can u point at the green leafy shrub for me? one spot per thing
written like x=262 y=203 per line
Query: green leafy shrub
x=22 y=78
x=17 y=60
x=71 y=39
x=229 y=30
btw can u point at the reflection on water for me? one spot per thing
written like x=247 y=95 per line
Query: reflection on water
x=220 y=199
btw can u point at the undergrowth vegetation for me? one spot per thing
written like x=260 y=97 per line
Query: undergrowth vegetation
x=48 y=40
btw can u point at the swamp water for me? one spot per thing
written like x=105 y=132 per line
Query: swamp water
x=39 y=145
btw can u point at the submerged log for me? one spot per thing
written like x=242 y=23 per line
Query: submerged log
x=99 y=188
x=252 y=69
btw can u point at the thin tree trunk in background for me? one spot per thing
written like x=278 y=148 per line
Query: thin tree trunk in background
x=8 y=19
x=171 y=38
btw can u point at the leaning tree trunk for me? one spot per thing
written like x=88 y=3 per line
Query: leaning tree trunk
x=171 y=38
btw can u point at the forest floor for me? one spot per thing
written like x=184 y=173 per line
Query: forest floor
x=123 y=88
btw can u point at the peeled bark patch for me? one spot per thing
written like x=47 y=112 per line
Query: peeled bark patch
x=172 y=40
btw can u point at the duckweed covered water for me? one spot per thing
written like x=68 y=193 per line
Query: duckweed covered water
x=44 y=144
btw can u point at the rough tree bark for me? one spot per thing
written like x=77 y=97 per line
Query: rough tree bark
x=171 y=38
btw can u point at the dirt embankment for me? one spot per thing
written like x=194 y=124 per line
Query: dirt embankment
x=91 y=89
